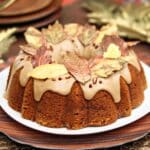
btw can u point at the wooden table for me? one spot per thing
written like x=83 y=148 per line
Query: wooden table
x=73 y=13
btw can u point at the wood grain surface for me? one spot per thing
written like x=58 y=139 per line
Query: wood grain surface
x=33 y=16
x=37 y=24
x=35 y=138
x=21 y=7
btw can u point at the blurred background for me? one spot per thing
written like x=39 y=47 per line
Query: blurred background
x=130 y=17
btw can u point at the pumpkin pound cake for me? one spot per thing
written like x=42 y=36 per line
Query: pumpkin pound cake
x=75 y=76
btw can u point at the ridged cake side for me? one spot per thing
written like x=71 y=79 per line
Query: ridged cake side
x=73 y=111
x=75 y=76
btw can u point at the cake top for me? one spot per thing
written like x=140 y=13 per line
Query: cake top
x=57 y=57
x=81 y=51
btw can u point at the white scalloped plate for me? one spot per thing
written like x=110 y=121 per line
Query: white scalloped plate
x=137 y=113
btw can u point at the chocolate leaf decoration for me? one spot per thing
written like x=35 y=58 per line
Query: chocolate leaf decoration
x=72 y=29
x=113 y=39
x=106 y=67
x=33 y=37
x=28 y=49
x=88 y=34
x=54 y=34
x=43 y=56
x=94 y=61
x=91 y=51
x=77 y=66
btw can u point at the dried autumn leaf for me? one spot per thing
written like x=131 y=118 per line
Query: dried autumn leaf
x=132 y=21
x=77 y=66
x=6 y=39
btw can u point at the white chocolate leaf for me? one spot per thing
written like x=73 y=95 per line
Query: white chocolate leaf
x=55 y=33
x=105 y=30
x=28 y=49
x=33 y=37
x=106 y=67
x=48 y=71
x=71 y=29
x=88 y=35
x=112 y=52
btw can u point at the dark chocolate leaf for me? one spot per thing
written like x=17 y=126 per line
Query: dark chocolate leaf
x=77 y=66
x=113 y=39
x=43 y=56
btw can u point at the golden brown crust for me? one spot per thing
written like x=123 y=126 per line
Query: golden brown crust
x=29 y=105
x=76 y=109
x=8 y=79
x=73 y=111
x=101 y=109
x=143 y=78
x=124 y=106
x=15 y=93
x=50 y=110
x=135 y=88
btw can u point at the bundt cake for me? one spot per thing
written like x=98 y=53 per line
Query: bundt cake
x=75 y=76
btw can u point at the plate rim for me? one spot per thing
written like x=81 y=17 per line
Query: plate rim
x=4 y=105
x=8 y=12
x=49 y=10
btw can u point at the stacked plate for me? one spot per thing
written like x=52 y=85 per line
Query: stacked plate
x=24 y=13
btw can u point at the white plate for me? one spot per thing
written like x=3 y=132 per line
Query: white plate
x=137 y=113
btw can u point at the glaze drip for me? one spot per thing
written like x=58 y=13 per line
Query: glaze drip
x=62 y=86
x=20 y=62
x=95 y=62
x=133 y=60
x=110 y=84
x=24 y=73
